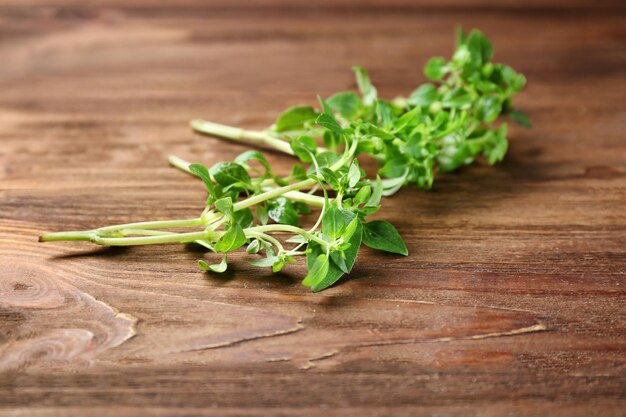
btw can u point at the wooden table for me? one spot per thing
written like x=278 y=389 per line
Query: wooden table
x=510 y=303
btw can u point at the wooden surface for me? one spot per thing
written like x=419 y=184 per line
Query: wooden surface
x=510 y=303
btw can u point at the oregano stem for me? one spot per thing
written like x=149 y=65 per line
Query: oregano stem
x=289 y=228
x=313 y=200
x=240 y=135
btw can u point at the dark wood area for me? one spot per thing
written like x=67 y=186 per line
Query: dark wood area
x=510 y=303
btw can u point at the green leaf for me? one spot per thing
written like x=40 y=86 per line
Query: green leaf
x=521 y=118
x=253 y=247
x=261 y=213
x=377 y=193
x=348 y=259
x=298 y=173
x=329 y=122
x=225 y=206
x=219 y=268
x=351 y=253
x=265 y=262
x=317 y=272
x=362 y=195
x=382 y=235
x=244 y=217
x=282 y=211
x=330 y=177
x=248 y=156
x=351 y=228
x=232 y=239
x=333 y=222
x=435 y=68
x=499 y=146
x=301 y=208
x=295 y=118
x=297 y=239
x=384 y=115
x=392 y=185
x=354 y=174
x=332 y=140
x=201 y=171
x=278 y=265
x=337 y=258
x=230 y=173
x=304 y=147
x=489 y=108
x=345 y=103
x=479 y=47
x=368 y=91
x=424 y=95
x=458 y=98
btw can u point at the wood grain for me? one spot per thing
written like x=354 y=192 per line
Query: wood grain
x=510 y=303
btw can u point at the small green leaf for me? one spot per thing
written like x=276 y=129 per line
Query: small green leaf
x=201 y=171
x=425 y=95
x=489 y=108
x=301 y=208
x=368 y=91
x=521 y=118
x=329 y=122
x=354 y=174
x=264 y=262
x=318 y=272
x=295 y=118
x=382 y=235
x=297 y=239
x=248 y=156
x=377 y=193
x=232 y=239
x=499 y=146
x=304 y=147
x=330 y=177
x=345 y=103
x=479 y=47
x=337 y=257
x=362 y=195
x=435 y=68
x=282 y=211
x=244 y=217
x=253 y=247
x=230 y=173
x=351 y=228
x=278 y=265
x=219 y=268
x=261 y=213
x=225 y=206
x=298 y=173
x=333 y=222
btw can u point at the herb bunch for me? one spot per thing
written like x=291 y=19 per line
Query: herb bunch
x=439 y=127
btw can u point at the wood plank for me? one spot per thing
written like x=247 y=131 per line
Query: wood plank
x=510 y=303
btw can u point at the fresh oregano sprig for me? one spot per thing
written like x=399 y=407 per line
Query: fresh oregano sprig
x=439 y=126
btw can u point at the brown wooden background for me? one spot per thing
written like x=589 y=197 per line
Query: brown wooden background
x=510 y=303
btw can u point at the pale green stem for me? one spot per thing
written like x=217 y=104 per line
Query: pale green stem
x=255 y=234
x=277 y=192
x=157 y=224
x=151 y=240
x=240 y=135
x=291 y=195
x=95 y=234
x=179 y=163
x=290 y=229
